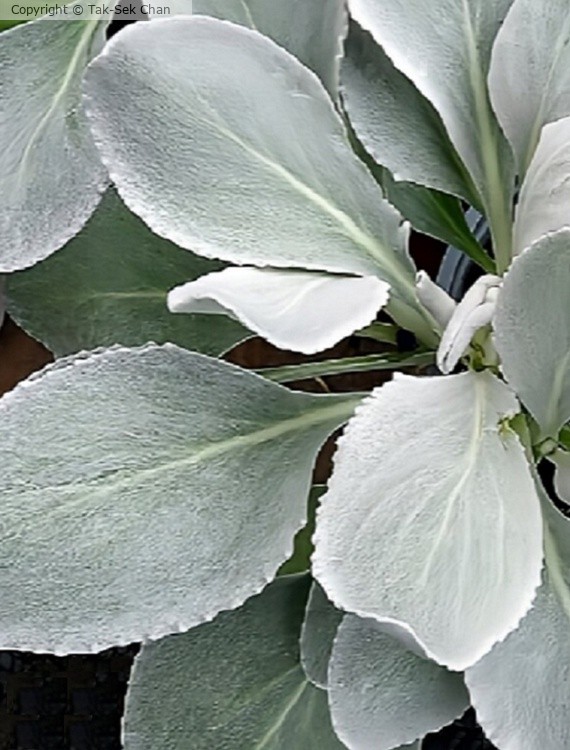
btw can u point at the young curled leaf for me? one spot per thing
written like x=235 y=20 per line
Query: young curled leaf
x=475 y=311
x=299 y=310
x=435 y=299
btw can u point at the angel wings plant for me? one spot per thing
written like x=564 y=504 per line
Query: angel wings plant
x=262 y=162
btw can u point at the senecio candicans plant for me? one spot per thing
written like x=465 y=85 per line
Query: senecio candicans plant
x=255 y=161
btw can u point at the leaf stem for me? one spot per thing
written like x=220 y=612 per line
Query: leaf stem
x=368 y=363
x=385 y=333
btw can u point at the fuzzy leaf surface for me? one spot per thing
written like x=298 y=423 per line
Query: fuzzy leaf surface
x=134 y=494
x=51 y=177
x=431 y=521
x=109 y=285
x=382 y=695
x=234 y=683
x=532 y=330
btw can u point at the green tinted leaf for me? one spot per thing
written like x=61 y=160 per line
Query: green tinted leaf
x=300 y=560
x=134 y=496
x=109 y=286
x=8 y=24
x=235 y=683
x=396 y=124
x=382 y=695
x=437 y=215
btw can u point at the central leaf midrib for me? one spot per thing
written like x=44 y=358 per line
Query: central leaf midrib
x=494 y=197
x=467 y=465
x=73 y=64
x=383 y=257
x=340 y=410
x=278 y=723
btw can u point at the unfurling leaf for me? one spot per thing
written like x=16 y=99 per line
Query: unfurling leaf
x=299 y=310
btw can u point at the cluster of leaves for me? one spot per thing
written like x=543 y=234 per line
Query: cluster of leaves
x=251 y=166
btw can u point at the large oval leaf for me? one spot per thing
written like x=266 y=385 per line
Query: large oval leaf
x=544 y=203
x=431 y=519
x=109 y=286
x=242 y=157
x=386 y=109
x=520 y=689
x=444 y=48
x=134 y=494
x=532 y=330
x=51 y=178
x=234 y=683
x=529 y=79
x=381 y=695
x=312 y=30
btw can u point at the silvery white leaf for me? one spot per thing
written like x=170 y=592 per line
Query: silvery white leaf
x=312 y=30
x=395 y=123
x=444 y=48
x=529 y=79
x=382 y=695
x=133 y=484
x=431 y=520
x=561 y=461
x=435 y=299
x=299 y=310
x=317 y=634
x=520 y=689
x=51 y=178
x=234 y=683
x=475 y=311
x=532 y=330
x=544 y=203
x=243 y=158
x=108 y=286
